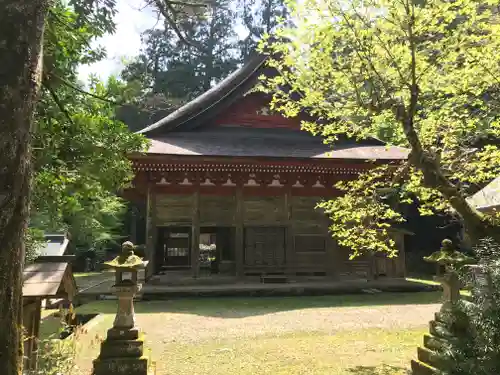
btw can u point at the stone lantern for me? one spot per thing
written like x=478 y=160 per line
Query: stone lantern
x=122 y=353
x=451 y=259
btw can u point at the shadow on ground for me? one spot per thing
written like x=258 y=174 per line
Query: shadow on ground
x=378 y=370
x=239 y=307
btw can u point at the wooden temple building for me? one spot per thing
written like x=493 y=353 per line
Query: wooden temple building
x=227 y=177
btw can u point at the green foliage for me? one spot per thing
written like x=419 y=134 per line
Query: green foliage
x=56 y=356
x=476 y=346
x=80 y=149
x=419 y=75
x=361 y=214
x=33 y=242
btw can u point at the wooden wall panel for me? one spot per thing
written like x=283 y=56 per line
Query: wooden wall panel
x=174 y=209
x=311 y=262
x=253 y=111
x=267 y=210
x=305 y=215
x=358 y=268
x=296 y=213
x=217 y=210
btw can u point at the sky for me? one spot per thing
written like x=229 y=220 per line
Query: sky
x=131 y=20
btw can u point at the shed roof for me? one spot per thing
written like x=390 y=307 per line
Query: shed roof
x=49 y=279
x=56 y=245
x=487 y=199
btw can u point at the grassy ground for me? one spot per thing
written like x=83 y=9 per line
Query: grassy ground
x=85 y=280
x=361 y=352
x=429 y=281
x=344 y=335
x=86 y=274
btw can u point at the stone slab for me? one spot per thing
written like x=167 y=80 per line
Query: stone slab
x=120 y=366
x=433 y=343
x=419 y=368
x=431 y=358
x=122 y=348
x=123 y=334
x=439 y=330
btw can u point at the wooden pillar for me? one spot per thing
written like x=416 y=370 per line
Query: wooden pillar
x=195 y=235
x=31 y=322
x=36 y=330
x=401 y=259
x=332 y=256
x=239 y=237
x=150 y=231
x=291 y=261
x=133 y=224
x=373 y=268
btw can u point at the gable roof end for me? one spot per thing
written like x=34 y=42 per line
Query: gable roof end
x=210 y=99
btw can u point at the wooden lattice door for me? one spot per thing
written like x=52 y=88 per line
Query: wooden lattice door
x=265 y=246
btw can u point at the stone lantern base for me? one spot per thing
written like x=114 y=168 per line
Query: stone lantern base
x=122 y=353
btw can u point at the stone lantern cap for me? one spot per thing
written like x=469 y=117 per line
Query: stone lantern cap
x=448 y=256
x=127 y=260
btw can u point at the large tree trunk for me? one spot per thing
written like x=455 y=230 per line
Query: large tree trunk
x=21 y=35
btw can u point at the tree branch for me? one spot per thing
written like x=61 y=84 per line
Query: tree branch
x=189 y=4
x=382 y=44
x=58 y=102
x=81 y=91
x=362 y=48
x=167 y=11
x=70 y=28
x=433 y=175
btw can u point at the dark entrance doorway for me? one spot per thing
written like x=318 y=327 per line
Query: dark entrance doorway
x=174 y=248
x=217 y=249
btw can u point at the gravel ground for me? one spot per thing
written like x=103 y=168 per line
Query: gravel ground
x=185 y=342
x=190 y=328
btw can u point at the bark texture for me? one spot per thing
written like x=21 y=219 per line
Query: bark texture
x=21 y=35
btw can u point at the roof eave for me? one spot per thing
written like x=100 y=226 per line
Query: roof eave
x=239 y=158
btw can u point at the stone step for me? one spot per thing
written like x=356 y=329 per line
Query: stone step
x=274 y=279
x=443 y=317
x=121 y=366
x=433 y=343
x=430 y=358
x=439 y=330
x=420 y=368
x=122 y=348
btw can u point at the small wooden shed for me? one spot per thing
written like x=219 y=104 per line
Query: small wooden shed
x=43 y=279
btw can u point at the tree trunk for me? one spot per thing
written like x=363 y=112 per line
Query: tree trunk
x=476 y=224
x=21 y=35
